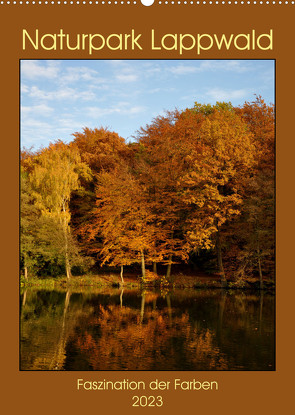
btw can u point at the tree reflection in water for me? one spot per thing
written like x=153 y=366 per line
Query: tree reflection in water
x=184 y=330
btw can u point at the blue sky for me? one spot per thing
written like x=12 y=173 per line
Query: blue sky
x=60 y=97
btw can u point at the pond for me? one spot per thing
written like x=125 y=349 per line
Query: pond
x=121 y=329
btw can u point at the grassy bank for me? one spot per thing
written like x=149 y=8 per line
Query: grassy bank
x=133 y=282
x=76 y=281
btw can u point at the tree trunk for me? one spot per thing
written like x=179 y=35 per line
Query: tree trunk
x=24 y=298
x=219 y=260
x=121 y=298
x=219 y=325
x=221 y=306
x=142 y=307
x=259 y=266
x=260 y=310
x=25 y=267
x=67 y=260
x=67 y=301
x=169 y=308
x=142 y=265
x=68 y=267
x=260 y=274
x=121 y=274
x=168 y=273
x=59 y=355
x=155 y=268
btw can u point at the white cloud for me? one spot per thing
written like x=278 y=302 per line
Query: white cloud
x=203 y=66
x=126 y=77
x=226 y=65
x=24 y=89
x=136 y=109
x=123 y=71
x=151 y=70
x=183 y=69
x=218 y=94
x=154 y=91
x=82 y=73
x=33 y=123
x=31 y=69
x=121 y=108
x=42 y=109
x=267 y=78
x=35 y=132
x=61 y=94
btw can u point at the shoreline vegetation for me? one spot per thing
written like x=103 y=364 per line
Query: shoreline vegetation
x=133 y=282
x=194 y=191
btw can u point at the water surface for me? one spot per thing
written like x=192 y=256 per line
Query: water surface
x=115 y=329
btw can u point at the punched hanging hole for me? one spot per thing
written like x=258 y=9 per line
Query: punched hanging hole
x=147 y=2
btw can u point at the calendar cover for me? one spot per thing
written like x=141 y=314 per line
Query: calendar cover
x=147 y=206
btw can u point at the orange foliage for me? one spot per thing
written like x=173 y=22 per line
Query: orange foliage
x=127 y=342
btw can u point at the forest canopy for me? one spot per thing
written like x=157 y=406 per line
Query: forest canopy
x=195 y=187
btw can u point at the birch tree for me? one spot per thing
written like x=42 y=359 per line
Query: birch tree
x=55 y=175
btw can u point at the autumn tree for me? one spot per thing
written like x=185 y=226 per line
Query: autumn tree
x=192 y=163
x=252 y=248
x=123 y=220
x=101 y=150
x=230 y=162
x=195 y=180
x=161 y=162
x=55 y=174
x=29 y=219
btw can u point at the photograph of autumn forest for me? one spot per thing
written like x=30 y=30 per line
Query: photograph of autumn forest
x=147 y=215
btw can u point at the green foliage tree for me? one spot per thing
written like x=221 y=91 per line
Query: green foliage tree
x=29 y=219
x=55 y=174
